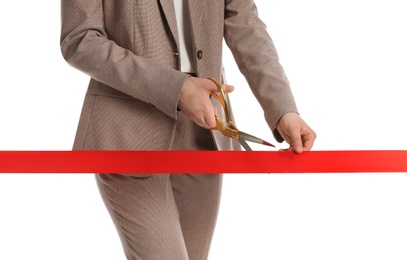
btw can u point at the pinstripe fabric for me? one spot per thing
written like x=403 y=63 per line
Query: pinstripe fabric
x=169 y=217
x=163 y=216
x=129 y=48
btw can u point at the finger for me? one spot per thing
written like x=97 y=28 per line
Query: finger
x=285 y=136
x=211 y=86
x=209 y=121
x=202 y=121
x=286 y=149
x=296 y=142
x=298 y=149
x=308 y=141
x=208 y=115
x=307 y=146
x=228 y=88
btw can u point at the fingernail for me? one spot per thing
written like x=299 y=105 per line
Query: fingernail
x=298 y=149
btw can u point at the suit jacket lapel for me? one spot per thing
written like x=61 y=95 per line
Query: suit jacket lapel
x=195 y=11
x=169 y=12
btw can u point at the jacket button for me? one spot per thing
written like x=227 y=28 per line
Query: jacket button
x=199 y=54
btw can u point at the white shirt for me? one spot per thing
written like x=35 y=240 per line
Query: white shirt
x=185 y=37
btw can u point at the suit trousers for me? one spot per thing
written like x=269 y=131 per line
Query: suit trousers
x=166 y=216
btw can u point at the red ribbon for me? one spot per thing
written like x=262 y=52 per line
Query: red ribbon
x=201 y=162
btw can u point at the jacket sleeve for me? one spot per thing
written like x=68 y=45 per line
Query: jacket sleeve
x=85 y=46
x=253 y=49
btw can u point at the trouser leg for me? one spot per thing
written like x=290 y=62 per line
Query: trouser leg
x=145 y=215
x=166 y=216
x=197 y=197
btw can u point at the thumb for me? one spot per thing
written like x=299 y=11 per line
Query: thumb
x=296 y=142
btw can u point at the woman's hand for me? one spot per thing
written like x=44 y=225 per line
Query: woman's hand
x=296 y=132
x=194 y=100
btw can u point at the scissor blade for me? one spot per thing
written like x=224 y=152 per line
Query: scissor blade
x=244 y=144
x=253 y=139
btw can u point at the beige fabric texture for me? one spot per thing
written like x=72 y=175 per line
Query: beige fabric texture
x=130 y=51
x=164 y=216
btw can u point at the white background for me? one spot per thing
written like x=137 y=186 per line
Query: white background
x=346 y=61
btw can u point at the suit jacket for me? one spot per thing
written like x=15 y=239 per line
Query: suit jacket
x=129 y=48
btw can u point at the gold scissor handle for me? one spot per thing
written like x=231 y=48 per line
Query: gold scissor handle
x=221 y=97
x=230 y=129
x=226 y=130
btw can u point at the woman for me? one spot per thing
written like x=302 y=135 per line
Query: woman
x=149 y=62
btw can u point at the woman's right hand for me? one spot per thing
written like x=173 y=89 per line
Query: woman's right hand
x=194 y=100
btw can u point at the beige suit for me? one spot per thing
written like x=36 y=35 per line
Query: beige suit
x=130 y=50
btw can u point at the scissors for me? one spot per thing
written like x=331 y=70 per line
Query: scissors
x=230 y=130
